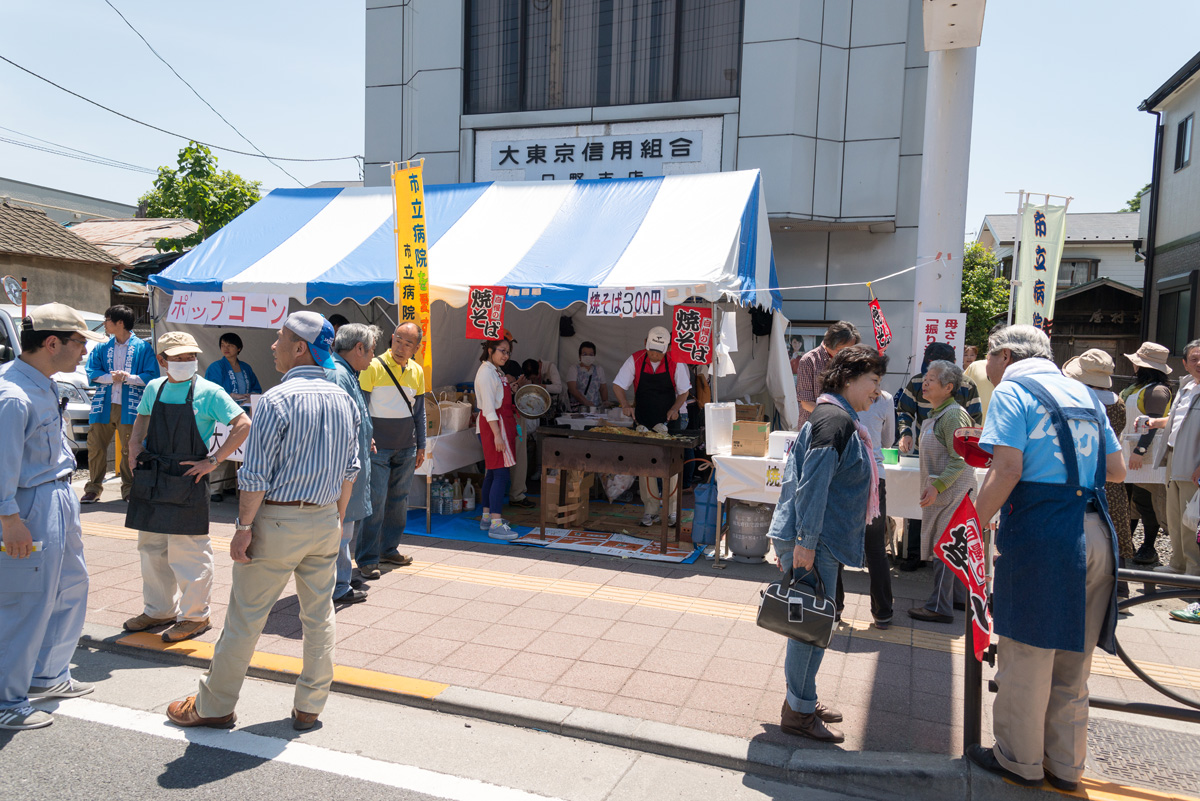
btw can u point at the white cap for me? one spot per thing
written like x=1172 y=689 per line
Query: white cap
x=658 y=339
x=61 y=317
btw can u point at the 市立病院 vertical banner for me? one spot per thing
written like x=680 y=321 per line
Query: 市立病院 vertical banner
x=412 y=277
x=1043 y=229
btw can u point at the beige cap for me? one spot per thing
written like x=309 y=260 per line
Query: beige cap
x=1152 y=355
x=658 y=339
x=61 y=317
x=1093 y=367
x=174 y=343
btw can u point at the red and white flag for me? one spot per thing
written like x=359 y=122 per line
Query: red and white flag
x=961 y=548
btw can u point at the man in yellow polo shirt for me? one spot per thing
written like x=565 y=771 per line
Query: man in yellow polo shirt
x=394 y=385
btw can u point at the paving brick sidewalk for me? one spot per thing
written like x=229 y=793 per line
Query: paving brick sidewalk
x=636 y=653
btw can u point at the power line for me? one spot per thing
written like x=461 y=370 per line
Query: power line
x=98 y=160
x=197 y=94
x=164 y=130
x=112 y=162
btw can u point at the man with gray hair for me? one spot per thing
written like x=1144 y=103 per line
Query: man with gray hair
x=1054 y=592
x=353 y=349
x=838 y=336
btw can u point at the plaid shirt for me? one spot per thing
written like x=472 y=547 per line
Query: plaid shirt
x=808 y=379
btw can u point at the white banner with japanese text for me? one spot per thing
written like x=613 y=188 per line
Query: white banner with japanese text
x=229 y=309
x=943 y=327
x=1043 y=231
x=625 y=301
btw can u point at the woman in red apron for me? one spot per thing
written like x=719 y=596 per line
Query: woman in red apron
x=497 y=428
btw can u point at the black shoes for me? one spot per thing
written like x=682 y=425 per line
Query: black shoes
x=921 y=613
x=986 y=759
x=351 y=596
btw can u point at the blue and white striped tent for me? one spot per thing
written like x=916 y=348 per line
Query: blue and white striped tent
x=707 y=233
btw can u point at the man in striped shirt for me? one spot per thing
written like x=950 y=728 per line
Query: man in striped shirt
x=301 y=461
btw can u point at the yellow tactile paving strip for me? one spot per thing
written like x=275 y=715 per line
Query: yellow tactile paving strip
x=1096 y=790
x=1102 y=664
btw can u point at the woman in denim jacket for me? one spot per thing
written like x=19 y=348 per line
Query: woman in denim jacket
x=830 y=488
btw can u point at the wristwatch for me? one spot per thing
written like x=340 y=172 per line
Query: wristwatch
x=238 y=525
x=213 y=460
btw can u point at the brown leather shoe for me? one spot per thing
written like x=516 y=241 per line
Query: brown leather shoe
x=303 y=721
x=144 y=621
x=186 y=630
x=183 y=713
x=826 y=714
x=90 y=497
x=808 y=726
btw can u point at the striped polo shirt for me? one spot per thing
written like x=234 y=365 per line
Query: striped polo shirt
x=391 y=415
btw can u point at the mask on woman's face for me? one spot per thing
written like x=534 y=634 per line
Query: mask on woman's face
x=587 y=360
x=182 y=371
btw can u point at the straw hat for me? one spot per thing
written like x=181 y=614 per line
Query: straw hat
x=1151 y=355
x=1093 y=367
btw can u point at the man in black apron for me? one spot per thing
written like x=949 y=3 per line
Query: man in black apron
x=169 y=456
x=660 y=389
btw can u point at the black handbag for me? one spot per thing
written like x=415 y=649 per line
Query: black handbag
x=799 y=610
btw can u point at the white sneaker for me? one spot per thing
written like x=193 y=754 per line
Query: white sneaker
x=71 y=688
x=1167 y=569
x=671 y=520
x=649 y=520
x=501 y=531
x=25 y=717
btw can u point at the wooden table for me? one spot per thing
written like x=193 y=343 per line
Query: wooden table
x=623 y=454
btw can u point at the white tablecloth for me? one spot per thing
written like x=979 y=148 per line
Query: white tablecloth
x=757 y=478
x=451 y=452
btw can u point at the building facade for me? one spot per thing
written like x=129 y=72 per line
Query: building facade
x=62 y=207
x=1172 y=230
x=825 y=97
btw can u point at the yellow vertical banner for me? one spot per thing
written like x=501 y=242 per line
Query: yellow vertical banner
x=412 y=263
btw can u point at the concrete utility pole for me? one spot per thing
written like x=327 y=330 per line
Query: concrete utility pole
x=952 y=34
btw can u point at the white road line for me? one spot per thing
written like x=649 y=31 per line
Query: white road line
x=313 y=757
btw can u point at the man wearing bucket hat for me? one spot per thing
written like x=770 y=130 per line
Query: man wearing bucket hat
x=1182 y=460
x=1094 y=369
x=168 y=456
x=1148 y=396
x=293 y=488
x=660 y=389
x=43 y=578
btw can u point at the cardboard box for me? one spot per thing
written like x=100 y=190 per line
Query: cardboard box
x=750 y=439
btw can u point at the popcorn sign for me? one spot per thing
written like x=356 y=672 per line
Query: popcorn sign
x=485 y=312
x=944 y=327
x=691 y=335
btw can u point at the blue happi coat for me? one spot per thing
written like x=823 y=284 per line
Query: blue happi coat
x=141 y=362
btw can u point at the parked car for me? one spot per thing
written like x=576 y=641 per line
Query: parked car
x=72 y=386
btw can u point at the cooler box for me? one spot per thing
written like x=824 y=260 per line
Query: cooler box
x=779 y=444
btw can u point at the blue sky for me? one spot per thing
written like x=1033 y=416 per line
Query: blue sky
x=290 y=76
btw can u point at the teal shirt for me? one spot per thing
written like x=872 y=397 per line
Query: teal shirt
x=211 y=403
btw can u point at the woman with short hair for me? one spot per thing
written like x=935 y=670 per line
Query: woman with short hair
x=238 y=379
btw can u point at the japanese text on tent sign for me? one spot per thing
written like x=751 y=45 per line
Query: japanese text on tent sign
x=625 y=302
x=244 y=310
x=944 y=327
x=412 y=284
x=485 y=312
x=691 y=335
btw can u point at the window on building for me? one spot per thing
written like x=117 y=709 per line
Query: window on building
x=1177 y=312
x=529 y=55
x=1073 y=272
x=1183 y=143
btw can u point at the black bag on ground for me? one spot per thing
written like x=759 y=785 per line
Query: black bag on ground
x=799 y=610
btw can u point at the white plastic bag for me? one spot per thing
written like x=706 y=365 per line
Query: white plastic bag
x=615 y=486
x=1191 y=513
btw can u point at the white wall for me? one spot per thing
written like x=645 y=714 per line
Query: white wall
x=1116 y=262
x=1179 y=205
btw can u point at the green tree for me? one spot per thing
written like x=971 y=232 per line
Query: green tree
x=984 y=293
x=1135 y=202
x=198 y=191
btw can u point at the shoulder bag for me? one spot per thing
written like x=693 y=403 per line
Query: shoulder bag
x=798 y=610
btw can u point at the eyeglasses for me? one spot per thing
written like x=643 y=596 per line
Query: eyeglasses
x=503 y=350
x=80 y=341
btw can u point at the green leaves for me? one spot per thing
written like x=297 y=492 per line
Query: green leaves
x=198 y=191
x=984 y=293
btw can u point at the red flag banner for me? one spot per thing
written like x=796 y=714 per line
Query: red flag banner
x=485 y=311
x=961 y=548
x=692 y=335
x=883 y=331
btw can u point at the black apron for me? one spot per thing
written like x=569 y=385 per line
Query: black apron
x=163 y=499
x=654 y=397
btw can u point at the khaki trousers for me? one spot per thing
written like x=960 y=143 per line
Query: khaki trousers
x=653 y=504
x=177 y=574
x=300 y=541
x=1185 y=553
x=100 y=436
x=1040 y=714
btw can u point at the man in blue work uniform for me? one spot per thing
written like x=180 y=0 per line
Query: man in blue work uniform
x=1054 y=592
x=43 y=578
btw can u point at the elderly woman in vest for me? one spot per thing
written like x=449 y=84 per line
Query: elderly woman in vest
x=830 y=492
x=946 y=480
x=1149 y=396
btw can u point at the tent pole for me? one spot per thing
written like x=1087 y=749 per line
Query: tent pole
x=716 y=341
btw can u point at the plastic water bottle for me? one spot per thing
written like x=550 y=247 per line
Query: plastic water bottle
x=435 y=497
x=469 y=496
x=444 y=500
x=457 y=497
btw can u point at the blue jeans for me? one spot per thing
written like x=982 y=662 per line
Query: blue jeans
x=802 y=661
x=344 y=569
x=391 y=476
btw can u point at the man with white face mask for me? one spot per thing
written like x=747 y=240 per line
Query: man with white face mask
x=168 y=454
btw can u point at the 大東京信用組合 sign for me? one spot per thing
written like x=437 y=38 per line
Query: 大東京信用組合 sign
x=596 y=157
x=244 y=310
x=625 y=302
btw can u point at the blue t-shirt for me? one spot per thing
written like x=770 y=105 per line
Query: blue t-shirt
x=210 y=403
x=1018 y=420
